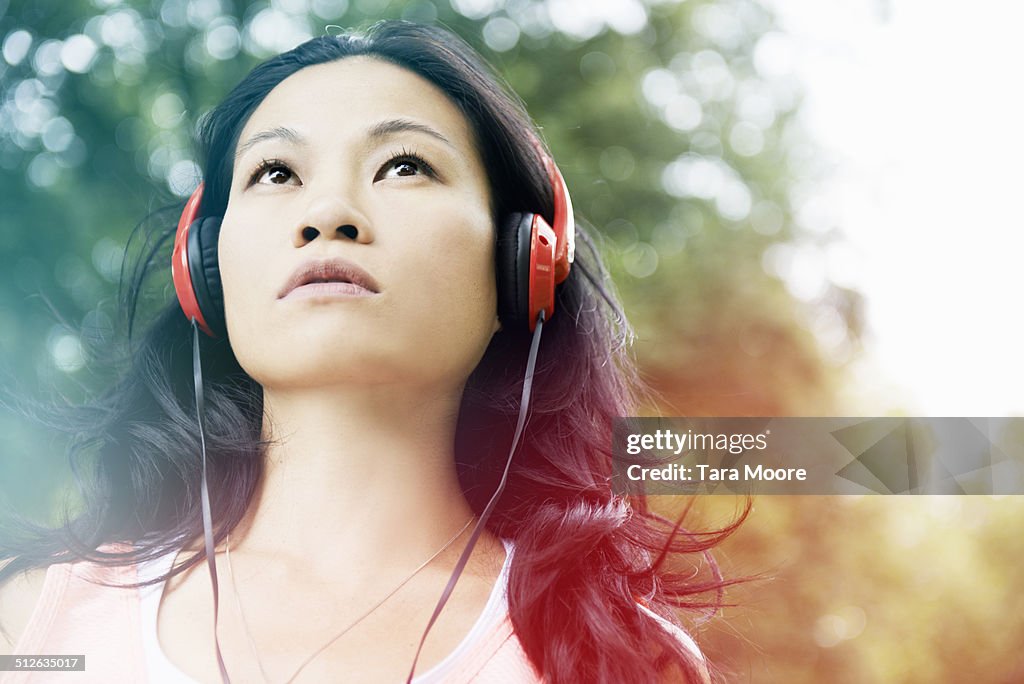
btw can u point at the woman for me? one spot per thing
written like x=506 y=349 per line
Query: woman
x=361 y=274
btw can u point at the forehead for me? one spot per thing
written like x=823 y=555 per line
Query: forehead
x=344 y=98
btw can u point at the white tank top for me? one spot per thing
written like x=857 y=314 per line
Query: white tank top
x=162 y=670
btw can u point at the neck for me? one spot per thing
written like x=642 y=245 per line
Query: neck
x=365 y=472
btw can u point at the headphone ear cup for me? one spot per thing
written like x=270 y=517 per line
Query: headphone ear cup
x=205 y=271
x=512 y=265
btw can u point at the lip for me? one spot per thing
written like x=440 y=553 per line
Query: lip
x=337 y=276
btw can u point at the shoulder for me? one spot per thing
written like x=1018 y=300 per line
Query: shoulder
x=20 y=595
x=685 y=639
x=18 y=598
x=502 y=659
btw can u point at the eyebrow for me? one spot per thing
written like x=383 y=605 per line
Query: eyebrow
x=382 y=129
x=392 y=126
x=276 y=133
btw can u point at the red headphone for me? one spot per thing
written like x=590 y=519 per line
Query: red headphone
x=532 y=257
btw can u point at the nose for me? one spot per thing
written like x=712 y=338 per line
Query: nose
x=333 y=217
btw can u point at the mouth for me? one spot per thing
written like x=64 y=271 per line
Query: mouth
x=326 y=277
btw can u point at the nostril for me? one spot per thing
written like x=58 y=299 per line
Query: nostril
x=349 y=231
x=309 y=233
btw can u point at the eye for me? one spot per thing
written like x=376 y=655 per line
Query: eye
x=405 y=164
x=272 y=172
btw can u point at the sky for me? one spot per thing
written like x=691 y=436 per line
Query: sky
x=915 y=108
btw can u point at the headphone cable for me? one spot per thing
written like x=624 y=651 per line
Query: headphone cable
x=463 y=559
x=211 y=560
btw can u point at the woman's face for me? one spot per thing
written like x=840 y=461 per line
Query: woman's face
x=365 y=162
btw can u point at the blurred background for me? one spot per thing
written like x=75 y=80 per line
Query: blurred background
x=806 y=207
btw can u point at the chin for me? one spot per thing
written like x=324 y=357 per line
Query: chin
x=336 y=352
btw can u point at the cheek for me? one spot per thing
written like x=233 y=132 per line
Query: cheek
x=457 y=274
x=244 y=282
x=234 y=259
x=449 y=293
